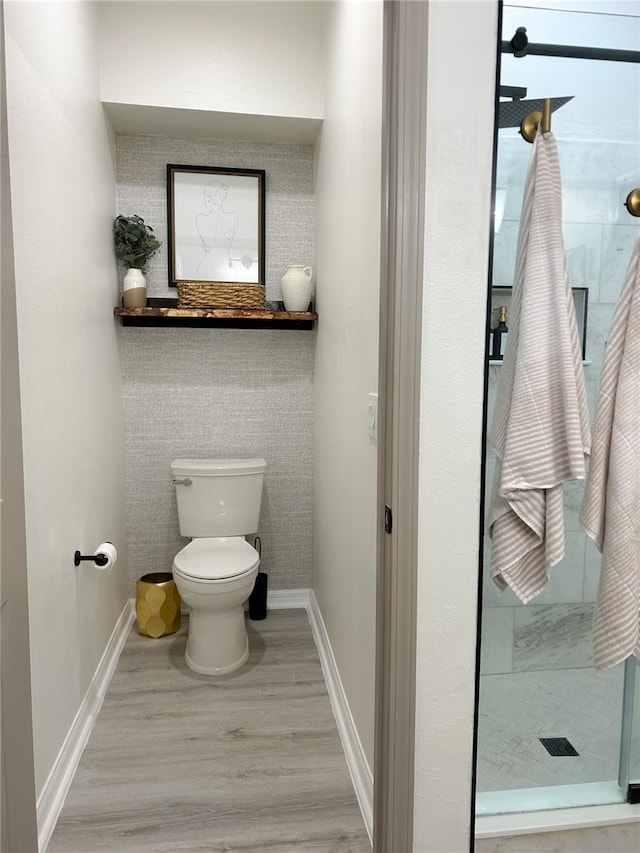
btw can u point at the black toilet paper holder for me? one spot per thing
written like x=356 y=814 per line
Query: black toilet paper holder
x=98 y=559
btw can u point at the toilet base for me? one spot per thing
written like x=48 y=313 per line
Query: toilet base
x=218 y=642
x=221 y=670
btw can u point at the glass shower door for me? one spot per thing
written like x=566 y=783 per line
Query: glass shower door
x=549 y=729
x=629 y=776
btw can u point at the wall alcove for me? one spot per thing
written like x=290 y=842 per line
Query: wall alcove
x=176 y=123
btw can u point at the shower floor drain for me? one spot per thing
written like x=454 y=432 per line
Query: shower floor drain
x=558 y=746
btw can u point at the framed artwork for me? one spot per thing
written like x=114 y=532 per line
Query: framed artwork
x=501 y=296
x=216 y=225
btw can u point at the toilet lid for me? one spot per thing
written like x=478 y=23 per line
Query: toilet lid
x=216 y=559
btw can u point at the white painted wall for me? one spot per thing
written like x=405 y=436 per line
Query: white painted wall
x=264 y=58
x=458 y=193
x=63 y=195
x=348 y=193
x=18 y=830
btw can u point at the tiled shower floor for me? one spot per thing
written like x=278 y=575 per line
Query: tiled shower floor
x=518 y=708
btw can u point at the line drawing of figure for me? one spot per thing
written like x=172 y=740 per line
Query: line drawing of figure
x=217 y=221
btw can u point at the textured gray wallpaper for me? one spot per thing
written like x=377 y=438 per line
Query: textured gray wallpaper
x=220 y=392
x=141 y=163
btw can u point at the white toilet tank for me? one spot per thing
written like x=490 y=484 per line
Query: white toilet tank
x=218 y=497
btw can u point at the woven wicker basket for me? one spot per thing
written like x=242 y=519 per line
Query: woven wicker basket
x=220 y=294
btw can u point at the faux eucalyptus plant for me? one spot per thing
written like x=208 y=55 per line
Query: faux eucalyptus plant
x=134 y=242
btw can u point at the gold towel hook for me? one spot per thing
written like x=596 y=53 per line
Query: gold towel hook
x=633 y=202
x=546 y=115
x=529 y=125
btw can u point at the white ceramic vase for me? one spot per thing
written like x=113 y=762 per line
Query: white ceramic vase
x=134 y=289
x=296 y=287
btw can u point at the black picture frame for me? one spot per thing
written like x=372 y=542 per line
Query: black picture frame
x=215 y=224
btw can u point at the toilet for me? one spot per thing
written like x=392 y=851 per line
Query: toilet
x=218 y=505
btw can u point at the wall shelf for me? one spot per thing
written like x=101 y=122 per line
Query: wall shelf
x=235 y=318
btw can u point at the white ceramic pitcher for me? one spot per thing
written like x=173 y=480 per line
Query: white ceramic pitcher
x=296 y=287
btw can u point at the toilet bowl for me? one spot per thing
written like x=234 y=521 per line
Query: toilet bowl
x=218 y=505
x=214 y=578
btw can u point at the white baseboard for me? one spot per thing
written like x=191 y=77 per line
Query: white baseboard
x=54 y=792
x=361 y=774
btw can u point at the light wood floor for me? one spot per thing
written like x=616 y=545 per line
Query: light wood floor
x=250 y=761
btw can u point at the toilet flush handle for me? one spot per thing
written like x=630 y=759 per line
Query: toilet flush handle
x=182 y=481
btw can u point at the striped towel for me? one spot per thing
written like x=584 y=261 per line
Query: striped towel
x=540 y=430
x=610 y=513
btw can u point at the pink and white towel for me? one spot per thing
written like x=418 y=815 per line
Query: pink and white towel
x=540 y=431
x=610 y=513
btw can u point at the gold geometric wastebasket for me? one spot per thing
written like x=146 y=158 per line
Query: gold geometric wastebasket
x=158 y=605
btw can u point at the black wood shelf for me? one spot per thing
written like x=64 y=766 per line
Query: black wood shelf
x=165 y=312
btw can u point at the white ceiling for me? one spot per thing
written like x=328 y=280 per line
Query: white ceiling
x=182 y=123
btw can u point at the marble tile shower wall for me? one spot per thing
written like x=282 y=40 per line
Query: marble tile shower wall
x=220 y=392
x=554 y=631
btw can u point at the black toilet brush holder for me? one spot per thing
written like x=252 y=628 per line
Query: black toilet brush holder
x=258 y=598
